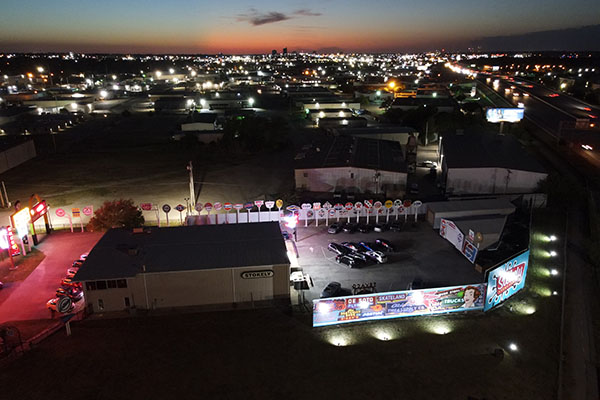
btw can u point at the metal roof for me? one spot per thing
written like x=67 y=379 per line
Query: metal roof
x=120 y=253
x=347 y=151
x=481 y=149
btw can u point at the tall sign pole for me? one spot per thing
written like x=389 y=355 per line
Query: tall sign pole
x=192 y=190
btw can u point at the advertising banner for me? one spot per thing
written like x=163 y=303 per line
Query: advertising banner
x=450 y=232
x=504 y=114
x=340 y=310
x=506 y=280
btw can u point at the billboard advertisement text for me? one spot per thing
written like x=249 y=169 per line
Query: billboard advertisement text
x=504 y=114
x=506 y=280
x=339 y=310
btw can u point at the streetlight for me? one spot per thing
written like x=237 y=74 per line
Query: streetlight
x=103 y=94
x=40 y=69
x=251 y=101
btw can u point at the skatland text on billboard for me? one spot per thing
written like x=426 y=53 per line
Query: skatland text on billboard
x=340 y=310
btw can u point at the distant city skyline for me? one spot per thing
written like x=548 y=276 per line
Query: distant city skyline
x=240 y=26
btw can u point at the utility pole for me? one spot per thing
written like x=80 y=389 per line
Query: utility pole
x=192 y=191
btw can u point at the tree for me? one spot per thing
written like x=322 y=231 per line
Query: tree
x=116 y=214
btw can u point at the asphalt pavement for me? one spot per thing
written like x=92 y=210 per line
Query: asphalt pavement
x=26 y=300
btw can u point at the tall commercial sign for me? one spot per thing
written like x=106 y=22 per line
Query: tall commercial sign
x=506 y=280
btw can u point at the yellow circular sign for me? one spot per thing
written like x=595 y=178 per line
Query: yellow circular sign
x=279 y=203
x=388 y=204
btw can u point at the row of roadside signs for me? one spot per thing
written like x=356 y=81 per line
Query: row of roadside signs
x=368 y=204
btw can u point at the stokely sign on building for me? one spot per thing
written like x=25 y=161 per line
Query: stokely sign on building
x=267 y=273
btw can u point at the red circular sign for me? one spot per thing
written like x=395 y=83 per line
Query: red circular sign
x=349 y=206
x=227 y=206
x=208 y=206
x=218 y=206
x=60 y=212
x=407 y=203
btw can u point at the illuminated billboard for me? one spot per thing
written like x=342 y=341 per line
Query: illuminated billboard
x=504 y=114
x=20 y=221
x=506 y=280
x=340 y=310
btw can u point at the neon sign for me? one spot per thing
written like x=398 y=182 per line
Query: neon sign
x=506 y=280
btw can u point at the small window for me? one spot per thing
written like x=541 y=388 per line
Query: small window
x=351 y=175
x=101 y=285
x=121 y=283
x=111 y=284
x=306 y=174
x=90 y=285
x=127 y=304
x=100 y=304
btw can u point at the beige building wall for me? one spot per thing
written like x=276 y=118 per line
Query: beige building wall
x=196 y=288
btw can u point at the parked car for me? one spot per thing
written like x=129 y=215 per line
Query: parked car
x=377 y=256
x=350 y=227
x=78 y=263
x=396 y=226
x=365 y=246
x=385 y=244
x=68 y=282
x=71 y=272
x=343 y=259
x=337 y=248
x=417 y=283
x=336 y=227
x=351 y=246
x=334 y=289
x=358 y=256
x=52 y=304
x=74 y=294
x=381 y=227
x=365 y=228
x=83 y=256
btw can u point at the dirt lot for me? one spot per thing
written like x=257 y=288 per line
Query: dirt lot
x=269 y=354
x=133 y=157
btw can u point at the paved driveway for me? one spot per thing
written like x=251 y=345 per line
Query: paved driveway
x=26 y=300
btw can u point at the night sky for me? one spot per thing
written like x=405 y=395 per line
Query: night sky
x=241 y=26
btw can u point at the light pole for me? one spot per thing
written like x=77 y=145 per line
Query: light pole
x=192 y=191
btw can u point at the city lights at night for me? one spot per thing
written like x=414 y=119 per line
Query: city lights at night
x=380 y=200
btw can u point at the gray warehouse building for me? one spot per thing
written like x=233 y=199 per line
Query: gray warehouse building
x=209 y=265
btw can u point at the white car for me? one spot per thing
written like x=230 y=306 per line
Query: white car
x=377 y=256
x=71 y=272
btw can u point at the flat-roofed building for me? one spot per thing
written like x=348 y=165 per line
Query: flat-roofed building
x=208 y=265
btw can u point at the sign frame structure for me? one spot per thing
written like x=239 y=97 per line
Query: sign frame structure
x=506 y=280
x=408 y=303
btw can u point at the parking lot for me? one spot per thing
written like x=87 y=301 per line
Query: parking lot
x=420 y=254
x=26 y=300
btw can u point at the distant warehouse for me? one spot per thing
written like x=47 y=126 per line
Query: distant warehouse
x=352 y=165
x=211 y=265
x=479 y=162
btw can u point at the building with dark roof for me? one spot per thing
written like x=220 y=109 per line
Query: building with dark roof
x=479 y=162
x=351 y=164
x=153 y=267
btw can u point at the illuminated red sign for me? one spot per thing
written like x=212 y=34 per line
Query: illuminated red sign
x=38 y=210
